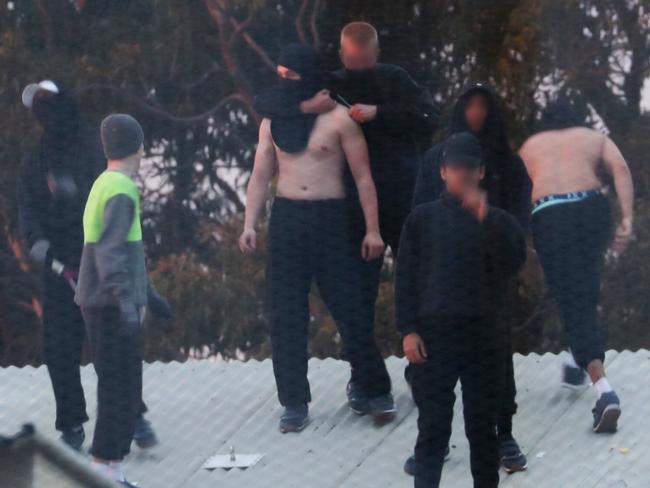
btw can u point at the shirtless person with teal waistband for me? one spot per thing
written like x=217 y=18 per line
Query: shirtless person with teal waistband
x=572 y=228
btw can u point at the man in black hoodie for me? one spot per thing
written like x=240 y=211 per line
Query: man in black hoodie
x=456 y=260
x=397 y=117
x=508 y=187
x=53 y=184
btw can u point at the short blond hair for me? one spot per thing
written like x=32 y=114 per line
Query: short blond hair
x=361 y=33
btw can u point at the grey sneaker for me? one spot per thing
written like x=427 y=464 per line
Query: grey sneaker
x=144 y=435
x=606 y=413
x=294 y=418
x=512 y=459
x=572 y=377
x=74 y=437
x=382 y=408
x=357 y=399
x=411 y=464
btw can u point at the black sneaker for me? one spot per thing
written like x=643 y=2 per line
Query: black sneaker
x=382 y=408
x=357 y=399
x=74 y=437
x=572 y=377
x=606 y=413
x=144 y=435
x=128 y=484
x=512 y=459
x=411 y=465
x=294 y=419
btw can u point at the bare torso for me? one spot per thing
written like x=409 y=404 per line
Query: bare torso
x=563 y=161
x=317 y=172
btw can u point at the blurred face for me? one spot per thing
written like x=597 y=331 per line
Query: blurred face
x=287 y=74
x=358 y=56
x=458 y=179
x=476 y=112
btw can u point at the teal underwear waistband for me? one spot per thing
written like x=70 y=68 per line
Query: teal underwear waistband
x=574 y=196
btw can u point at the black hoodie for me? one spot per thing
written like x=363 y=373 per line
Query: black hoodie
x=55 y=178
x=506 y=180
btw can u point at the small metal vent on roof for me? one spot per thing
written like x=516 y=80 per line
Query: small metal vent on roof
x=232 y=460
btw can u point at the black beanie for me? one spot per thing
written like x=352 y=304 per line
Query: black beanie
x=122 y=136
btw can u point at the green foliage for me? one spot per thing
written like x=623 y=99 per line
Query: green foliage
x=217 y=297
x=188 y=71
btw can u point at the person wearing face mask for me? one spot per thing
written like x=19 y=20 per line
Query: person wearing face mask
x=309 y=240
x=52 y=187
x=397 y=116
x=508 y=187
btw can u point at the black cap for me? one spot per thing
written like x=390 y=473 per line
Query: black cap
x=462 y=149
x=122 y=136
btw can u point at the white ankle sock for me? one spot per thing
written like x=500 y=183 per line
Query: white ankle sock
x=112 y=470
x=571 y=361
x=603 y=386
x=118 y=472
x=104 y=469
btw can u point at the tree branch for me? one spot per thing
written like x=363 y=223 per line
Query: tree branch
x=299 y=18
x=159 y=111
x=259 y=50
x=231 y=194
x=239 y=28
x=312 y=22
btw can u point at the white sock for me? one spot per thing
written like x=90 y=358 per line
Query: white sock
x=105 y=469
x=112 y=470
x=571 y=361
x=603 y=386
x=118 y=472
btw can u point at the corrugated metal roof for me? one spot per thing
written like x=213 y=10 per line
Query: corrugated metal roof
x=201 y=408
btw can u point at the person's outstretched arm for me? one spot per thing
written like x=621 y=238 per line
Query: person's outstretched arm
x=355 y=148
x=618 y=168
x=257 y=193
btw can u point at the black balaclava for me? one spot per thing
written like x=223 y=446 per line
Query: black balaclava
x=59 y=116
x=57 y=113
x=59 y=148
x=291 y=133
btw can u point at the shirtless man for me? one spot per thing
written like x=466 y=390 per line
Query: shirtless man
x=572 y=226
x=309 y=235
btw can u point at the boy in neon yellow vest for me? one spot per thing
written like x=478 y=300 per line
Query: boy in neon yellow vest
x=113 y=290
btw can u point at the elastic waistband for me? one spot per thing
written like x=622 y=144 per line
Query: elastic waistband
x=560 y=198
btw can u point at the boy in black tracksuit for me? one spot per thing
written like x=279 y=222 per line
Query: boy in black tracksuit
x=508 y=187
x=456 y=258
